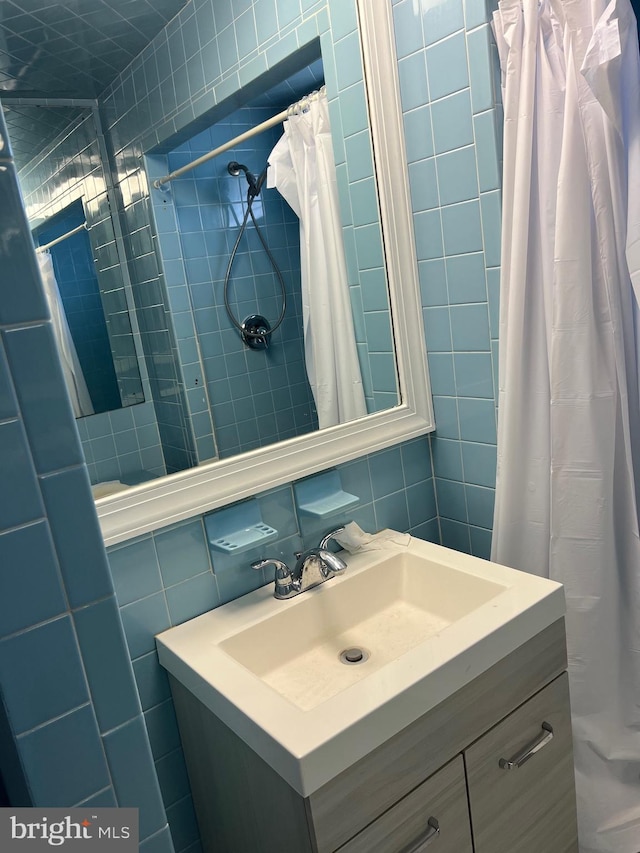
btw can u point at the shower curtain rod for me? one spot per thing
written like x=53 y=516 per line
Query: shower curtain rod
x=73 y=231
x=259 y=128
x=265 y=125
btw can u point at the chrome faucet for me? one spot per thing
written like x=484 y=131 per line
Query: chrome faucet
x=313 y=567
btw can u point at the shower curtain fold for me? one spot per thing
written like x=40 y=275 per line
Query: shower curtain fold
x=568 y=414
x=72 y=371
x=302 y=168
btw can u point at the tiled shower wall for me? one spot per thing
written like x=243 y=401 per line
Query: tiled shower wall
x=118 y=445
x=256 y=397
x=452 y=121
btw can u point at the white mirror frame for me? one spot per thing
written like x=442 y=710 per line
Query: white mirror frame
x=189 y=493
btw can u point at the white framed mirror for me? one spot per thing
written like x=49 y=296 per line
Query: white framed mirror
x=187 y=493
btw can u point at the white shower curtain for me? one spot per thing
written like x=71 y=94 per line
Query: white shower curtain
x=302 y=168
x=568 y=422
x=73 y=376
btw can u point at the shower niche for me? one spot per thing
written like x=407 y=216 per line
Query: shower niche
x=230 y=251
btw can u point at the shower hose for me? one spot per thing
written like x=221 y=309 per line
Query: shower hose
x=253 y=190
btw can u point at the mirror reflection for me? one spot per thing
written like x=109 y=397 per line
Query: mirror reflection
x=233 y=293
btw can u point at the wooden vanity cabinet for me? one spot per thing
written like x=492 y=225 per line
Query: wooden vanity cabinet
x=436 y=785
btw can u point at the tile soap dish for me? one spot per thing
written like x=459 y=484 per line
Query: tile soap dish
x=238 y=528
x=323 y=496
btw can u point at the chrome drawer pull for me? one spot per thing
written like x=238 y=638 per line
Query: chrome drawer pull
x=430 y=835
x=518 y=760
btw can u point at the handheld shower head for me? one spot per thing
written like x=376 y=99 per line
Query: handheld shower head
x=255 y=184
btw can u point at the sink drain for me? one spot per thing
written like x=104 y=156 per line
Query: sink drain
x=353 y=656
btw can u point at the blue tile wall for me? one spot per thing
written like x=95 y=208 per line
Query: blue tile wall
x=166 y=577
x=255 y=397
x=454 y=165
x=71 y=727
x=118 y=444
x=80 y=293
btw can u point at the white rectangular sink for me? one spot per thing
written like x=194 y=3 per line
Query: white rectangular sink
x=427 y=619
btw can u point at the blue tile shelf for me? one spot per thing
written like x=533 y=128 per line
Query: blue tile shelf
x=238 y=528
x=322 y=496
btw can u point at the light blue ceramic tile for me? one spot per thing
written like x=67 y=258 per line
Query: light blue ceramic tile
x=470 y=328
x=407 y=28
x=446 y=415
x=135 y=572
x=428 y=235
x=392 y=512
x=133 y=774
x=358 y=156
x=8 y=403
x=455 y=534
x=364 y=204
x=479 y=461
x=480 y=69
x=384 y=376
x=473 y=374
x=386 y=472
x=437 y=329
x=433 y=283
x=451 y=500
x=421 y=501
x=57 y=774
x=441 y=19
x=447 y=66
x=30 y=588
x=348 y=63
x=163 y=729
x=414 y=89
x=46 y=409
x=447 y=458
x=378 y=325
x=105 y=799
x=457 y=175
x=461 y=228
x=76 y=535
x=192 y=597
x=452 y=122
x=375 y=294
x=416 y=460
x=343 y=19
x=161 y=842
x=16 y=468
x=183 y=824
x=423 y=185
x=106 y=662
x=477 y=420
x=172 y=776
x=369 y=246
x=182 y=551
x=356 y=479
x=429 y=531
x=491 y=207
x=480 y=505
x=441 y=373
x=418 y=133
x=142 y=620
x=353 y=110
x=486 y=151
x=152 y=681
x=56 y=682
x=23 y=298
x=493 y=289
x=480 y=542
x=475 y=13
x=466 y=278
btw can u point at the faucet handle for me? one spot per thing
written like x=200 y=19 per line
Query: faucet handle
x=324 y=542
x=284 y=579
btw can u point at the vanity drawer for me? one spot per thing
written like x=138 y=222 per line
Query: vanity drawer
x=531 y=807
x=433 y=817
